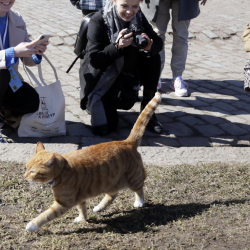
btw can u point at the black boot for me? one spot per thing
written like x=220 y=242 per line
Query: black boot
x=153 y=125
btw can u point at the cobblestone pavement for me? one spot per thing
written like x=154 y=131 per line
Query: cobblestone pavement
x=215 y=114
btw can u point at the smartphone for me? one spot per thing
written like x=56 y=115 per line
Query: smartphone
x=43 y=38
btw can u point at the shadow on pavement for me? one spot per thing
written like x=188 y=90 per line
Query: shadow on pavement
x=216 y=110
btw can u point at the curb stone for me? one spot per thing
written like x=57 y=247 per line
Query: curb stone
x=156 y=156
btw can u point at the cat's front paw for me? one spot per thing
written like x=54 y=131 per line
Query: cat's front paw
x=31 y=227
x=138 y=204
x=78 y=219
x=97 y=209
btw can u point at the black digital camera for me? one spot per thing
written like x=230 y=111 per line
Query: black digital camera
x=139 y=40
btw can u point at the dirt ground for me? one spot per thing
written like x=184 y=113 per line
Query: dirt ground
x=186 y=207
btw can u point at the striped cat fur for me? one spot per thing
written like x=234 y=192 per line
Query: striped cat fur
x=77 y=176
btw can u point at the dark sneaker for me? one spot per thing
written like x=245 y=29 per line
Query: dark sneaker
x=2 y=140
x=1 y=124
x=155 y=126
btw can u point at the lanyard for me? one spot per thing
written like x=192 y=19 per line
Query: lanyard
x=2 y=42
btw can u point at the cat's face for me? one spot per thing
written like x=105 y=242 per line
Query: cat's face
x=42 y=167
x=39 y=169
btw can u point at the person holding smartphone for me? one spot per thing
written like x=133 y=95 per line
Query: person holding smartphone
x=16 y=96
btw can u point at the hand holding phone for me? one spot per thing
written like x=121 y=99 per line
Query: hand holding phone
x=40 y=44
x=43 y=38
x=27 y=49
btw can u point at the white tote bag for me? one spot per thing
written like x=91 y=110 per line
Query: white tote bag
x=49 y=119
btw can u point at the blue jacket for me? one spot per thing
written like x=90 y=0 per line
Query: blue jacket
x=188 y=9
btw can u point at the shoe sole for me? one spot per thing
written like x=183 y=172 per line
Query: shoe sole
x=182 y=95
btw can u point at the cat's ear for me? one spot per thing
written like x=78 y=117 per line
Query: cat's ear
x=39 y=147
x=51 y=161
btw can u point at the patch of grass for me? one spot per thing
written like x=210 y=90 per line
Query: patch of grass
x=187 y=207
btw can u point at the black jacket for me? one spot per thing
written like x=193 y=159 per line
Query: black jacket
x=74 y=2
x=101 y=53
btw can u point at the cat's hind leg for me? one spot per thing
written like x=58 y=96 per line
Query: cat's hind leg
x=82 y=212
x=139 y=198
x=108 y=198
x=136 y=183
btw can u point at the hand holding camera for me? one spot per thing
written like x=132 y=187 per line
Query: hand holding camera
x=150 y=42
x=124 y=39
x=136 y=36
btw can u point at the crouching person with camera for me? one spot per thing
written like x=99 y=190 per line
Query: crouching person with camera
x=122 y=55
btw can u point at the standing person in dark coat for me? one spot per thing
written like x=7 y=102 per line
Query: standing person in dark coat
x=182 y=11
x=115 y=66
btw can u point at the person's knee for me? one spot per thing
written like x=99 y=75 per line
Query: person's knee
x=180 y=32
x=180 y=39
x=5 y=76
x=34 y=102
x=4 y=85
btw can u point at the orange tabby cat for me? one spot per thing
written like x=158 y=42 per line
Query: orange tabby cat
x=82 y=174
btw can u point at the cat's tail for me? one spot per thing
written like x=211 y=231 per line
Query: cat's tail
x=143 y=119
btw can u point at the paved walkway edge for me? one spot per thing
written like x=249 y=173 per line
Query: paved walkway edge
x=159 y=156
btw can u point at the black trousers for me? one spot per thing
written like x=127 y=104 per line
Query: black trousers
x=24 y=100
x=149 y=71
